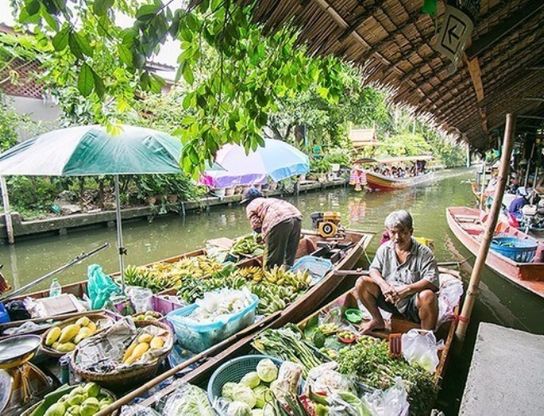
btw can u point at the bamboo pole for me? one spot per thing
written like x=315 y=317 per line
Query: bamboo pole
x=7 y=211
x=491 y=223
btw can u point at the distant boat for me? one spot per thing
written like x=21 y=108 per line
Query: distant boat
x=380 y=182
x=465 y=223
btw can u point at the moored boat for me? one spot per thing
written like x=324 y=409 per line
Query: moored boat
x=379 y=182
x=467 y=226
x=246 y=345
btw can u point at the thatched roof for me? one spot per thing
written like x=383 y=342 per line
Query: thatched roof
x=502 y=71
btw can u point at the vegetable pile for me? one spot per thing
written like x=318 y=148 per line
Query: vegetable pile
x=161 y=276
x=220 y=303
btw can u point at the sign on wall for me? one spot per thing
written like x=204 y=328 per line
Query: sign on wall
x=455 y=32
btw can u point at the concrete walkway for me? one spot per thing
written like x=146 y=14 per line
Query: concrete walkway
x=506 y=374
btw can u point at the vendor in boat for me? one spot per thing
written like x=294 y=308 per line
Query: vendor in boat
x=403 y=278
x=279 y=222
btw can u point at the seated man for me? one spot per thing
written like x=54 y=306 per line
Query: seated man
x=403 y=278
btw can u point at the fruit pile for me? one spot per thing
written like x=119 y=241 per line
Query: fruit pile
x=84 y=400
x=66 y=339
x=275 y=288
x=147 y=316
x=140 y=346
x=161 y=276
x=246 y=246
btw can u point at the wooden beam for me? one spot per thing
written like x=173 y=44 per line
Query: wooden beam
x=358 y=21
x=532 y=117
x=536 y=68
x=503 y=28
x=533 y=98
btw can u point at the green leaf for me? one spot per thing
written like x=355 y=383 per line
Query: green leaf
x=188 y=101
x=51 y=20
x=85 y=81
x=74 y=46
x=156 y=83
x=147 y=11
x=125 y=54
x=204 y=5
x=60 y=40
x=188 y=75
x=99 y=87
x=101 y=7
x=83 y=44
x=185 y=33
x=192 y=22
x=32 y=7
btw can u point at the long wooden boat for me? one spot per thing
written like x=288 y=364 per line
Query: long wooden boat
x=397 y=325
x=380 y=182
x=466 y=225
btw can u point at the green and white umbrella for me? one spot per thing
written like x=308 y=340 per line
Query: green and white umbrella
x=91 y=150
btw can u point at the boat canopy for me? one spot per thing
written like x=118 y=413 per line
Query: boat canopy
x=397 y=159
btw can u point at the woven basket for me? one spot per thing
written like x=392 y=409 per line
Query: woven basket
x=233 y=371
x=128 y=376
x=93 y=316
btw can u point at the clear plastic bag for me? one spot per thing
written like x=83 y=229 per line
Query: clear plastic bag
x=420 y=347
x=325 y=379
x=188 y=400
x=390 y=402
x=141 y=298
x=451 y=290
x=138 y=410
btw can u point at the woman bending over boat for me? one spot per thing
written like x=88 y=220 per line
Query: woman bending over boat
x=403 y=278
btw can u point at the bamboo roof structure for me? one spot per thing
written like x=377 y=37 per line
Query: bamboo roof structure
x=502 y=69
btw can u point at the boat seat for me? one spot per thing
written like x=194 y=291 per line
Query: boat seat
x=474 y=229
x=467 y=218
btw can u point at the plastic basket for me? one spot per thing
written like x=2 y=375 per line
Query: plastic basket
x=316 y=266
x=166 y=304
x=522 y=250
x=199 y=337
x=233 y=371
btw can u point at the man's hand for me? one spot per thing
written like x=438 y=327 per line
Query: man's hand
x=389 y=293
x=403 y=291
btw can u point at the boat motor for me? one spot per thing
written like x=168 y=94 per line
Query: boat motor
x=327 y=224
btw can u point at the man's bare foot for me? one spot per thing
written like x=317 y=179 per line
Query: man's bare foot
x=372 y=325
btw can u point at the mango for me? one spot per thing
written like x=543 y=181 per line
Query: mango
x=68 y=333
x=82 y=334
x=92 y=326
x=76 y=399
x=66 y=347
x=57 y=409
x=156 y=343
x=129 y=351
x=55 y=345
x=92 y=389
x=140 y=350
x=145 y=338
x=83 y=321
x=52 y=336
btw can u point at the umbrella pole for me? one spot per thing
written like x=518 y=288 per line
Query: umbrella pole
x=120 y=246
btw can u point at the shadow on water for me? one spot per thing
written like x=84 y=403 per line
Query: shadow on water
x=499 y=301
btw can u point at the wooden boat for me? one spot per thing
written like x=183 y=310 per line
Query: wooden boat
x=243 y=347
x=465 y=223
x=380 y=182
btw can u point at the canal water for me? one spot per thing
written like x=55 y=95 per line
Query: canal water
x=499 y=301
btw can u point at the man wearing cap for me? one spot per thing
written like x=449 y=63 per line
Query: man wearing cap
x=279 y=222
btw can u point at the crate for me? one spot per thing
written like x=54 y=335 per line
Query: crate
x=165 y=304
x=521 y=250
x=199 y=337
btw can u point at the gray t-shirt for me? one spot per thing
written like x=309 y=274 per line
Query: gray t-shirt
x=420 y=264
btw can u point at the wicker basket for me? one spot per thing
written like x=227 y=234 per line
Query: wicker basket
x=93 y=316
x=128 y=376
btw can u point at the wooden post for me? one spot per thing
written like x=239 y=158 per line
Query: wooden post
x=7 y=211
x=491 y=223
x=468 y=156
x=529 y=165
x=482 y=187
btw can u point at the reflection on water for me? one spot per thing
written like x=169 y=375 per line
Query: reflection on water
x=499 y=301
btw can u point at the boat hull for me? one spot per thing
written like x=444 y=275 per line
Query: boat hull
x=464 y=223
x=378 y=182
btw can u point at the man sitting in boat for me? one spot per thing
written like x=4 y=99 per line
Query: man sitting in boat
x=403 y=278
x=280 y=224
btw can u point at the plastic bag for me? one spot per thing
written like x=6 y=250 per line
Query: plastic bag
x=100 y=286
x=325 y=379
x=138 y=410
x=188 y=400
x=420 y=347
x=451 y=290
x=141 y=298
x=390 y=402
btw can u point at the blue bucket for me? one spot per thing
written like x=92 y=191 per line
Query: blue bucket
x=517 y=249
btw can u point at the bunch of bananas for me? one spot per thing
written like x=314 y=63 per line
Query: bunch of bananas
x=253 y=273
x=160 y=276
x=247 y=246
x=279 y=276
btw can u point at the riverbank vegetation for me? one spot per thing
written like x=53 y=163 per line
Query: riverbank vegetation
x=235 y=83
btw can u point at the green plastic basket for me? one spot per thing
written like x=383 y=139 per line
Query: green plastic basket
x=233 y=371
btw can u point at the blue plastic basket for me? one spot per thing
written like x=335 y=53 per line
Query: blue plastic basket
x=523 y=250
x=233 y=371
x=316 y=266
x=200 y=337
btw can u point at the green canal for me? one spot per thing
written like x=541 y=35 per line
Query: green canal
x=499 y=301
